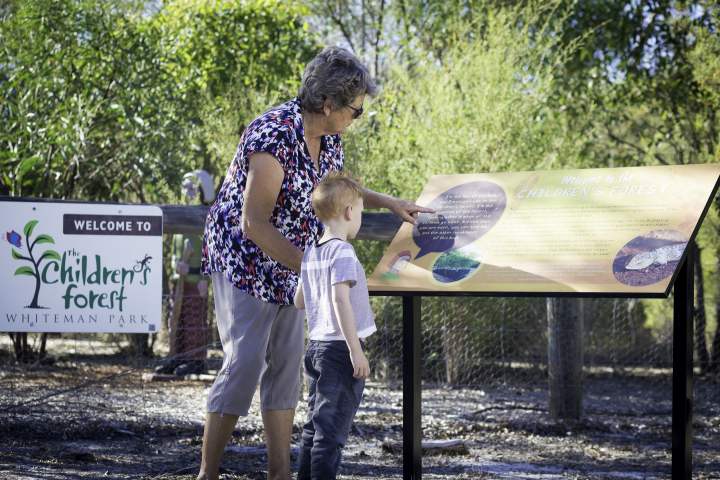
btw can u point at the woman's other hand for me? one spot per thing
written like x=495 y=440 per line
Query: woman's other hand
x=202 y=287
x=182 y=268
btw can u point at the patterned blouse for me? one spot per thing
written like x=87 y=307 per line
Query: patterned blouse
x=280 y=133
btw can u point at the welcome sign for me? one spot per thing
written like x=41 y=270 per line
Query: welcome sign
x=73 y=267
x=598 y=231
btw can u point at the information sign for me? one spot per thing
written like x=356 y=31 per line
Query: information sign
x=597 y=231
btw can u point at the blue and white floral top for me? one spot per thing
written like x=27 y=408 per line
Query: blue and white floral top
x=226 y=249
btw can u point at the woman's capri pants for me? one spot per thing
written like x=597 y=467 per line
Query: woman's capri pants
x=261 y=342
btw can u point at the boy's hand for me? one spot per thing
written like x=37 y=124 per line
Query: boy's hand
x=361 y=367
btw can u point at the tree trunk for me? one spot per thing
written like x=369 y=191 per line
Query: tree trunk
x=565 y=357
x=700 y=318
x=454 y=337
x=43 y=344
x=139 y=344
x=378 y=36
x=25 y=355
x=24 y=352
x=714 y=365
x=448 y=341
x=17 y=345
x=34 y=302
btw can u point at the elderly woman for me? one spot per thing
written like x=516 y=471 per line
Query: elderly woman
x=255 y=235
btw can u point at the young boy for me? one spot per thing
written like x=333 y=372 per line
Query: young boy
x=333 y=290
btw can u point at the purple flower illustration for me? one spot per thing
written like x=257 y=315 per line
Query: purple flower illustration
x=14 y=238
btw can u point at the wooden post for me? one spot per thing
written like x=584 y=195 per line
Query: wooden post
x=565 y=357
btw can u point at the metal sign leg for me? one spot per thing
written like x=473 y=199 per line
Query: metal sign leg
x=682 y=399
x=412 y=389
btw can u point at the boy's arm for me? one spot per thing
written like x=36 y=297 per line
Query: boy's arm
x=299 y=299
x=346 y=320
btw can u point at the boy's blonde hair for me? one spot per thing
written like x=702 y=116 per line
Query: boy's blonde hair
x=335 y=192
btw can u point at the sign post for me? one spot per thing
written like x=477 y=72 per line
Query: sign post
x=612 y=233
x=682 y=396
x=412 y=388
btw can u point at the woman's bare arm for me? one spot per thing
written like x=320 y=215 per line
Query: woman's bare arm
x=265 y=178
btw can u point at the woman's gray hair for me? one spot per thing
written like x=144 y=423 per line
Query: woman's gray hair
x=336 y=75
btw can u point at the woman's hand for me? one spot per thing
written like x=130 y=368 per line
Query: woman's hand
x=202 y=287
x=407 y=210
x=182 y=268
x=404 y=209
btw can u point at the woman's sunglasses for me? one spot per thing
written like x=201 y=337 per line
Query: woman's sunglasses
x=356 y=111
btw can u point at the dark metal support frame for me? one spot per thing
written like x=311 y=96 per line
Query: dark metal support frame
x=412 y=389
x=682 y=398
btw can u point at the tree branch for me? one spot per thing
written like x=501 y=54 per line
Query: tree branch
x=638 y=148
x=343 y=29
x=378 y=35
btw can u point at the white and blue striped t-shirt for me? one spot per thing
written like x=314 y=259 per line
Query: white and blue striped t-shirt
x=324 y=265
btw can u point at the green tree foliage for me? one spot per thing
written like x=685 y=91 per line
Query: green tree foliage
x=231 y=60
x=219 y=46
x=101 y=101
x=483 y=109
x=641 y=81
x=87 y=108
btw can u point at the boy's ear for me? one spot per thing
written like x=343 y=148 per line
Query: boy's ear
x=348 y=213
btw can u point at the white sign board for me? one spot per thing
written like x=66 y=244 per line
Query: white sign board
x=74 y=267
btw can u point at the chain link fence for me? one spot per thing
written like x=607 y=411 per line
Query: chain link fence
x=478 y=341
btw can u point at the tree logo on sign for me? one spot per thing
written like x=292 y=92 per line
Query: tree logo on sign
x=16 y=240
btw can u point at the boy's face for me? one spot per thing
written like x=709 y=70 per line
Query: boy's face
x=355 y=217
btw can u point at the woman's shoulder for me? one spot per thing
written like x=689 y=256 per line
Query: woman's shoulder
x=279 y=120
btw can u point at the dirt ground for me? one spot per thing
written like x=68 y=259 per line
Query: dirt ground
x=90 y=415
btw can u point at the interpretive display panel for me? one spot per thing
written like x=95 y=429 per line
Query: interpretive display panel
x=595 y=231
x=73 y=267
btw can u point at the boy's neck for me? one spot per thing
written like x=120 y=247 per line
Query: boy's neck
x=334 y=230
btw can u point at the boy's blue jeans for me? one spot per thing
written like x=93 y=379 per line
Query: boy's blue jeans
x=334 y=397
